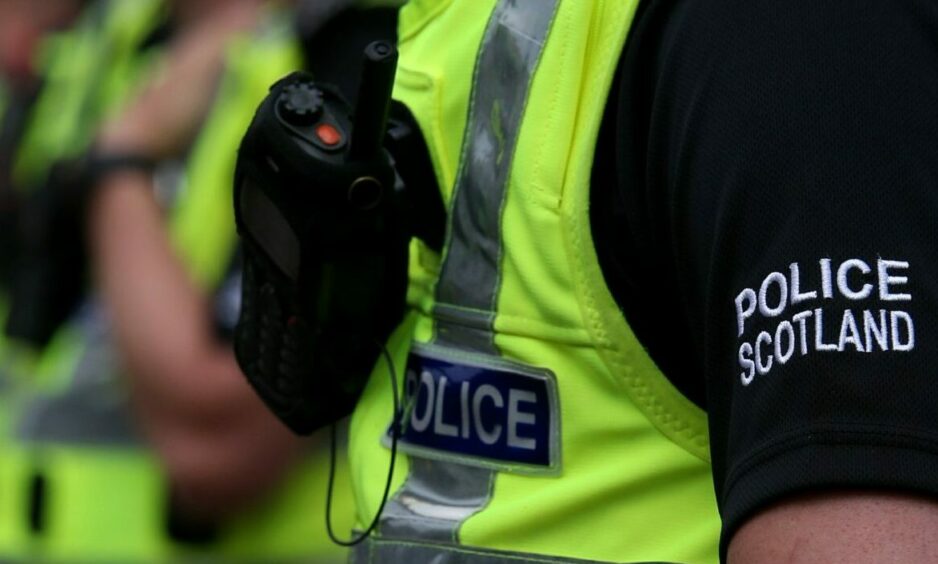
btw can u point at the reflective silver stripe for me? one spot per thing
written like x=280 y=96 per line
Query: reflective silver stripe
x=435 y=500
x=378 y=551
x=439 y=496
x=469 y=277
x=464 y=328
x=93 y=409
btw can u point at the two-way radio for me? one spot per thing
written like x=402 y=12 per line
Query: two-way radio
x=326 y=216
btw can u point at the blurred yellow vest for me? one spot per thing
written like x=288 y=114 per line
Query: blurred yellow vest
x=85 y=488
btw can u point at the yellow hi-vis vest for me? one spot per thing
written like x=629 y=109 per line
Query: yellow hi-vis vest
x=85 y=70
x=102 y=495
x=536 y=428
x=89 y=72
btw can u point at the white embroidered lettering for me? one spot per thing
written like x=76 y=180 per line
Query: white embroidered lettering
x=746 y=363
x=796 y=295
x=749 y=296
x=897 y=333
x=859 y=330
x=819 y=344
x=784 y=327
x=800 y=318
x=779 y=280
x=843 y=284
x=878 y=332
x=886 y=280
x=763 y=369
x=849 y=333
x=827 y=289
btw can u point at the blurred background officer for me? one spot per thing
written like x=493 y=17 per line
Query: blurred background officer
x=23 y=27
x=31 y=63
x=223 y=479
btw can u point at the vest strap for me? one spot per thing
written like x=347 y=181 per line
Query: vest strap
x=427 y=506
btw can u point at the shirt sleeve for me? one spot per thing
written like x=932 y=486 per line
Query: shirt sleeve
x=777 y=165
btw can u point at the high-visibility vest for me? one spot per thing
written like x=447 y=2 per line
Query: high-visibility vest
x=103 y=497
x=86 y=68
x=89 y=72
x=537 y=429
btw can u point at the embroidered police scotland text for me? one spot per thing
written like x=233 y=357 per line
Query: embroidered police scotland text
x=807 y=322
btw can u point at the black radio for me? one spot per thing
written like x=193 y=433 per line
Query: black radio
x=327 y=197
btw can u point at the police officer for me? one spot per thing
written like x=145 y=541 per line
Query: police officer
x=688 y=246
x=94 y=489
x=218 y=455
x=23 y=27
x=27 y=158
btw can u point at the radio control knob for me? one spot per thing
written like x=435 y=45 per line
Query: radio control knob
x=301 y=104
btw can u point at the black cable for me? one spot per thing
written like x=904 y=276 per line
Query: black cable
x=395 y=433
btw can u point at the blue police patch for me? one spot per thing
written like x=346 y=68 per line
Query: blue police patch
x=480 y=410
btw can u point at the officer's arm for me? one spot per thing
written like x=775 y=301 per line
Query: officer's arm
x=859 y=526
x=786 y=161
x=167 y=113
x=220 y=446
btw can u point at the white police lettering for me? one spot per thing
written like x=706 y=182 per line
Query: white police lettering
x=439 y=426
x=464 y=409
x=488 y=436
x=483 y=412
x=794 y=321
x=421 y=422
x=516 y=416
x=479 y=410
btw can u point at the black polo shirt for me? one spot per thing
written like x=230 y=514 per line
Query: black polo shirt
x=772 y=239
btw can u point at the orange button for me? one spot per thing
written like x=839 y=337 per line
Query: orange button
x=328 y=134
